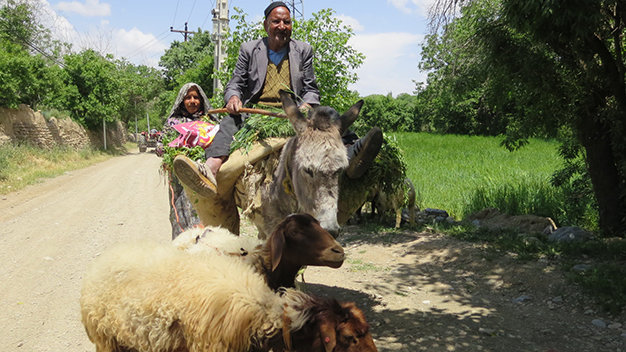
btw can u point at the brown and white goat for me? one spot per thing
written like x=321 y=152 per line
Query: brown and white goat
x=149 y=297
x=298 y=240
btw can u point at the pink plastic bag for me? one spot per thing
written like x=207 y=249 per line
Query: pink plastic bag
x=194 y=133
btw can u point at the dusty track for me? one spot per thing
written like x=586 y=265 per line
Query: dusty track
x=51 y=231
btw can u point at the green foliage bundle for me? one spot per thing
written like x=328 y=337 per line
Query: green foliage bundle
x=169 y=153
x=258 y=127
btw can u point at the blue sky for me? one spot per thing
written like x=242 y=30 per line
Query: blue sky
x=388 y=32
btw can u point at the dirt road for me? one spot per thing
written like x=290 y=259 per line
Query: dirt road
x=421 y=291
x=51 y=231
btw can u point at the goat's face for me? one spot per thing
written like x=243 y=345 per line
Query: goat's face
x=339 y=328
x=301 y=240
x=317 y=159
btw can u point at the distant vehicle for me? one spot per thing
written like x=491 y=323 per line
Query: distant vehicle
x=149 y=140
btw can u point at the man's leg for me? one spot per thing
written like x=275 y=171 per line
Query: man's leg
x=362 y=153
x=200 y=177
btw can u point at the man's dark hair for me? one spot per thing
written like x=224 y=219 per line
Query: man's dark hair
x=274 y=5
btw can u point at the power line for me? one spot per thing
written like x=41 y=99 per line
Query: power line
x=175 y=12
x=191 y=11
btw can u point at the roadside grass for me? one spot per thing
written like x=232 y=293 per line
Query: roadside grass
x=464 y=174
x=22 y=165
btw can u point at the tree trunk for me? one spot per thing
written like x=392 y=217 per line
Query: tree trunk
x=605 y=177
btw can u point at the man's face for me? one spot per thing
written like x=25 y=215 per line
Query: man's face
x=278 y=28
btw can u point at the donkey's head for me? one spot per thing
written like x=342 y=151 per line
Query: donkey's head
x=316 y=158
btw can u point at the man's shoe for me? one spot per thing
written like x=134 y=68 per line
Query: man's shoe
x=362 y=153
x=195 y=176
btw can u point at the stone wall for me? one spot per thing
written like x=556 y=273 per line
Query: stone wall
x=25 y=125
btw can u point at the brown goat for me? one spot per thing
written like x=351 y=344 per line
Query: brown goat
x=332 y=326
x=298 y=240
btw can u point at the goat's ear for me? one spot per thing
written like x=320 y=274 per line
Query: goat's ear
x=328 y=335
x=297 y=119
x=348 y=117
x=277 y=245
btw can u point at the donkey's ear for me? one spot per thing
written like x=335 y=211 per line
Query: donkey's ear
x=350 y=116
x=298 y=121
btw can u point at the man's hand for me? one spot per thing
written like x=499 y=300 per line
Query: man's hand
x=233 y=105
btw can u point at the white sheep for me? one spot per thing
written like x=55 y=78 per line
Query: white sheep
x=150 y=297
x=218 y=239
x=297 y=241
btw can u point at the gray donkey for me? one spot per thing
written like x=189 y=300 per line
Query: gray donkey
x=302 y=178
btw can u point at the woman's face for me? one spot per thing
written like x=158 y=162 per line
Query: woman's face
x=192 y=100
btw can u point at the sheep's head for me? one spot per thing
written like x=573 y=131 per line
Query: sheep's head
x=300 y=240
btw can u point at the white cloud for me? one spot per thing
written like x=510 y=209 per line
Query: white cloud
x=59 y=26
x=401 y=5
x=391 y=62
x=350 y=22
x=138 y=46
x=90 y=8
x=419 y=7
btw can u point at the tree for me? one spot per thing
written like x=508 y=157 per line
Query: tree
x=190 y=61
x=29 y=74
x=139 y=87
x=335 y=60
x=92 y=88
x=564 y=70
x=388 y=113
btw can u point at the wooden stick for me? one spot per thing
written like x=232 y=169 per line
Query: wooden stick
x=249 y=111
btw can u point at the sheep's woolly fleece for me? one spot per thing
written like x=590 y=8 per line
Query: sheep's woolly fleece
x=153 y=297
x=218 y=239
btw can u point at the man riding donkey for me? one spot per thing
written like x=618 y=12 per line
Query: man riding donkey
x=264 y=67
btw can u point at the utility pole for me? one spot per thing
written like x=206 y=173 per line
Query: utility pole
x=220 y=28
x=185 y=32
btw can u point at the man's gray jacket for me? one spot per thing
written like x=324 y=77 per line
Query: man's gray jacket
x=251 y=69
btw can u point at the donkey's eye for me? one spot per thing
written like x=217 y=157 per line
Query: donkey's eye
x=309 y=172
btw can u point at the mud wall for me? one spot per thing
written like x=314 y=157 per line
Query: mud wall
x=25 y=125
